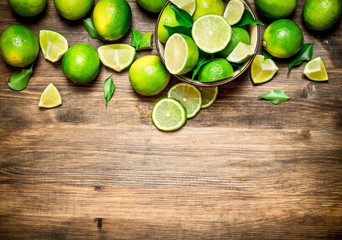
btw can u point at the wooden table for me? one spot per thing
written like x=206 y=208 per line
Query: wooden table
x=242 y=169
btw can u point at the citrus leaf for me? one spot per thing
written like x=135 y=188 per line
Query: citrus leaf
x=238 y=66
x=183 y=17
x=247 y=18
x=266 y=54
x=275 y=96
x=203 y=59
x=108 y=89
x=178 y=29
x=89 y=26
x=136 y=38
x=304 y=54
x=20 y=79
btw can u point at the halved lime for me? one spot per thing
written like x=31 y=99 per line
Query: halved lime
x=168 y=114
x=181 y=54
x=53 y=44
x=262 y=70
x=241 y=53
x=211 y=33
x=187 y=5
x=50 y=98
x=234 y=11
x=189 y=96
x=146 y=42
x=315 y=70
x=209 y=95
x=117 y=56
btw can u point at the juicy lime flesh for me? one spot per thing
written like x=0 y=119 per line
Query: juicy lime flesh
x=50 y=98
x=186 y=5
x=275 y=8
x=239 y=34
x=216 y=70
x=211 y=33
x=209 y=95
x=262 y=70
x=27 y=8
x=53 y=45
x=73 y=9
x=117 y=56
x=167 y=18
x=315 y=70
x=146 y=41
x=152 y=6
x=234 y=11
x=204 y=7
x=241 y=53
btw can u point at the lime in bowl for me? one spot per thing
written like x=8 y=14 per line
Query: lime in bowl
x=179 y=55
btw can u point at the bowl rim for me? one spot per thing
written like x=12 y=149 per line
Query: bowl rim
x=223 y=81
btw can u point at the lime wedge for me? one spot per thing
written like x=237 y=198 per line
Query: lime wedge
x=181 y=54
x=241 y=53
x=117 y=56
x=146 y=42
x=53 y=45
x=234 y=11
x=262 y=70
x=168 y=114
x=50 y=98
x=187 y=5
x=211 y=33
x=189 y=96
x=209 y=95
x=315 y=70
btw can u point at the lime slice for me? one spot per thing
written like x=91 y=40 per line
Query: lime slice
x=262 y=70
x=189 y=96
x=53 y=45
x=211 y=33
x=187 y=5
x=146 y=42
x=117 y=56
x=168 y=114
x=234 y=11
x=50 y=98
x=315 y=70
x=181 y=54
x=209 y=95
x=241 y=53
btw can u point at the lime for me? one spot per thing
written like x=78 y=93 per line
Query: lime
x=53 y=45
x=112 y=19
x=283 y=38
x=239 y=34
x=181 y=54
x=186 y=5
x=241 y=53
x=320 y=15
x=234 y=11
x=146 y=41
x=81 y=63
x=117 y=56
x=167 y=18
x=152 y=5
x=209 y=95
x=215 y=70
x=27 y=8
x=262 y=69
x=315 y=70
x=189 y=96
x=168 y=114
x=204 y=7
x=275 y=8
x=211 y=33
x=148 y=75
x=50 y=98
x=73 y=9
x=18 y=46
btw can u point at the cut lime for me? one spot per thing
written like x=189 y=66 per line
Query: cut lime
x=181 y=54
x=187 y=5
x=168 y=114
x=53 y=45
x=262 y=70
x=189 y=96
x=146 y=42
x=117 y=56
x=234 y=11
x=241 y=53
x=50 y=98
x=209 y=95
x=211 y=33
x=315 y=70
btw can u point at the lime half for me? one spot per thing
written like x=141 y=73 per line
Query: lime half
x=50 y=98
x=241 y=53
x=187 y=5
x=209 y=95
x=53 y=45
x=117 y=56
x=168 y=114
x=262 y=70
x=234 y=11
x=315 y=70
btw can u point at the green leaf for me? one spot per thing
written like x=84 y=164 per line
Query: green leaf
x=108 y=89
x=247 y=18
x=275 y=96
x=203 y=59
x=20 y=79
x=89 y=26
x=266 y=54
x=183 y=17
x=178 y=29
x=238 y=66
x=304 y=54
x=136 y=38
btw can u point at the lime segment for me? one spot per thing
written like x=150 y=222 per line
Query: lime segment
x=186 y=5
x=53 y=45
x=241 y=53
x=209 y=95
x=146 y=42
x=262 y=70
x=117 y=56
x=50 y=98
x=315 y=70
x=234 y=11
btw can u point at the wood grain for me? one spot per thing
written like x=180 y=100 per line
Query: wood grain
x=242 y=169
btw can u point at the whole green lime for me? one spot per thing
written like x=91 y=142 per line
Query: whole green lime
x=73 y=9
x=112 y=19
x=216 y=70
x=239 y=34
x=283 y=38
x=276 y=8
x=18 y=46
x=27 y=8
x=152 y=5
x=148 y=75
x=204 y=7
x=81 y=63
x=320 y=15
x=167 y=18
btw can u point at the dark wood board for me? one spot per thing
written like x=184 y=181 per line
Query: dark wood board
x=241 y=169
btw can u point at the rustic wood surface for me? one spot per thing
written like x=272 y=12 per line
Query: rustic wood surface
x=242 y=169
